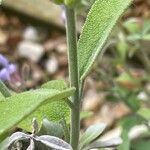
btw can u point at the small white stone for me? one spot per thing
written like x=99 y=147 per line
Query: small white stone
x=137 y=130
x=143 y=96
x=31 y=34
x=52 y=65
x=30 y=50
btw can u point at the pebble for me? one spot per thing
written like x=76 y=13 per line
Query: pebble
x=37 y=74
x=49 y=45
x=52 y=65
x=92 y=101
x=61 y=48
x=62 y=60
x=108 y=113
x=30 y=50
x=143 y=96
x=31 y=34
x=137 y=131
x=4 y=21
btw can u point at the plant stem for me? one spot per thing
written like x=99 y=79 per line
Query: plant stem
x=4 y=90
x=73 y=75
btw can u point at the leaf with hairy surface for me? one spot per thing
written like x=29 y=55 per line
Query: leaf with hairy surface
x=99 y=23
x=54 y=111
x=17 y=107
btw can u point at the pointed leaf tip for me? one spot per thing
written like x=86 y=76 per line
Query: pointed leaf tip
x=99 y=23
x=91 y=134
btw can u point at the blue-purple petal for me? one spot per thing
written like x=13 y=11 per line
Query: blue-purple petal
x=11 y=68
x=4 y=75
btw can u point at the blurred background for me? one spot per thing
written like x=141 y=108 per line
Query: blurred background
x=117 y=91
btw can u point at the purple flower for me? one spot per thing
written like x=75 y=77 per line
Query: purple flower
x=5 y=73
x=11 y=68
x=3 y=61
x=8 y=69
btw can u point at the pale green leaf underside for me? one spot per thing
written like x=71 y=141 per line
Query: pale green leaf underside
x=91 y=134
x=17 y=107
x=99 y=23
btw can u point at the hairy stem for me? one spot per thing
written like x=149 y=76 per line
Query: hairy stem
x=73 y=75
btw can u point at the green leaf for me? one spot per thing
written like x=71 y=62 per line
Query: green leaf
x=132 y=25
x=126 y=141
x=141 y=145
x=127 y=123
x=17 y=107
x=99 y=23
x=51 y=128
x=104 y=144
x=125 y=77
x=2 y=98
x=134 y=37
x=145 y=113
x=122 y=48
x=146 y=37
x=91 y=134
x=146 y=27
x=53 y=111
x=3 y=144
x=130 y=121
x=133 y=103
x=66 y=130
x=54 y=84
x=85 y=114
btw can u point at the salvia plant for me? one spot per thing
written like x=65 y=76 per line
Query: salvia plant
x=54 y=100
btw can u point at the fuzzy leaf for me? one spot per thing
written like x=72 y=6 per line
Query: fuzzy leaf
x=44 y=142
x=54 y=84
x=127 y=123
x=145 y=113
x=99 y=23
x=2 y=98
x=53 y=111
x=16 y=137
x=141 y=145
x=3 y=144
x=91 y=134
x=104 y=144
x=51 y=128
x=53 y=142
x=132 y=25
x=17 y=107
